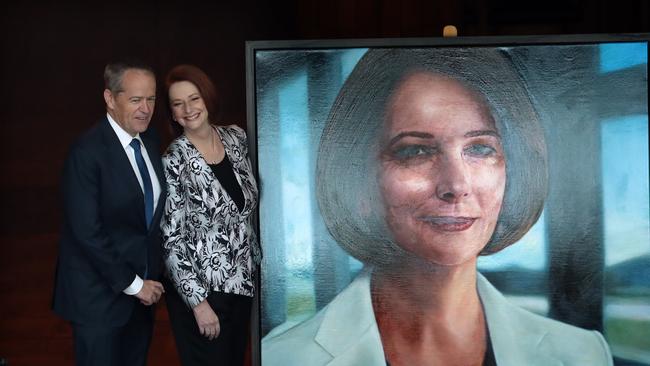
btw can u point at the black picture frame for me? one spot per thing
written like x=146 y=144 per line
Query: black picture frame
x=591 y=310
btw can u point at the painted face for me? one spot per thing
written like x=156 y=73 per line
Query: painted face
x=188 y=108
x=442 y=170
x=132 y=107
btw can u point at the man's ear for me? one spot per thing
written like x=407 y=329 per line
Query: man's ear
x=108 y=98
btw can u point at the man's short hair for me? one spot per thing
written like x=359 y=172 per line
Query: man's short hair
x=114 y=72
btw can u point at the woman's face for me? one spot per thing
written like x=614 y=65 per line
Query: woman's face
x=188 y=108
x=442 y=170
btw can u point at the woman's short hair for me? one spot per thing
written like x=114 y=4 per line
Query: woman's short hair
x=202 y=82
x=347 y=188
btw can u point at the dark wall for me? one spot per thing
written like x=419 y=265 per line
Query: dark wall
x=52 y=63
x=51 y=68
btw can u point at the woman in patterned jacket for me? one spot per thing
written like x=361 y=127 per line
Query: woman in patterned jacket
x=210 y=245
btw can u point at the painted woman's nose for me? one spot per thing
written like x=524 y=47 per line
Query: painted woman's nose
x=453 y=180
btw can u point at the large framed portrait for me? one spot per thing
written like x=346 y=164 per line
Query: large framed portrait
x=453 y=200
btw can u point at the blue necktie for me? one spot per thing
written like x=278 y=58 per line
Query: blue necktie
x=146 y=181
x=148 y=189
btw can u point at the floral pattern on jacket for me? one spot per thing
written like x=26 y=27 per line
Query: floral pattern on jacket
x=209 y=245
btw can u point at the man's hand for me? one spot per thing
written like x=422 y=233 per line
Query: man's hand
x=207 y=320
x=150 y=292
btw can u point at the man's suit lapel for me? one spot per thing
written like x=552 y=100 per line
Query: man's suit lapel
x=154 y=156
x=514 y=338
x=123 y=168
x=118 y=159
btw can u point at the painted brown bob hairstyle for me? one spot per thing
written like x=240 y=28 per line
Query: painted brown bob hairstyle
x=202 y=82
x=352 y=208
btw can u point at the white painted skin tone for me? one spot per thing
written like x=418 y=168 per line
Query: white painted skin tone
x=442 y=170
x=442 y=179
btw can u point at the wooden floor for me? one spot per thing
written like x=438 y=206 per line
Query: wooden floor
x=30 y=333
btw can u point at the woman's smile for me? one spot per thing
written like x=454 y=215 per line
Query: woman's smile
x=448 y=223
x=191 y=117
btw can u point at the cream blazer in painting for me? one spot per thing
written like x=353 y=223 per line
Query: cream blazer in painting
x=345 y=333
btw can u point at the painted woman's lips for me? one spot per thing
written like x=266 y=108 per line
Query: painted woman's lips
x=449 y=223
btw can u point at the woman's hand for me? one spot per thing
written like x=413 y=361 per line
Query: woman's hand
x=207 y=320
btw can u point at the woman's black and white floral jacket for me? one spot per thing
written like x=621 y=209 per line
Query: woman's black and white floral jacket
x=209 y=245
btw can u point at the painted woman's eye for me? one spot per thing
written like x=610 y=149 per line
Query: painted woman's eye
x=412 y=151
x=480 y=150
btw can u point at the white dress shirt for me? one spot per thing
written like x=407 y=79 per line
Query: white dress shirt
x=125 y=139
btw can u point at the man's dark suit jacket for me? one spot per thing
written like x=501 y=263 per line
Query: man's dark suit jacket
x=105 y=241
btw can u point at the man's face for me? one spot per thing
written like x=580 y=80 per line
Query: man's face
x=132 y=107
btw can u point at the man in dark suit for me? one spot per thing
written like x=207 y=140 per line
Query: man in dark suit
x=110 y=255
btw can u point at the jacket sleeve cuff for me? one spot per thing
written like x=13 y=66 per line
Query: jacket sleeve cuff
x=200 y=294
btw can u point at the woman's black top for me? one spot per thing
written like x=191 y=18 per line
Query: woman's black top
x=226 y=176
x=489 y=359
